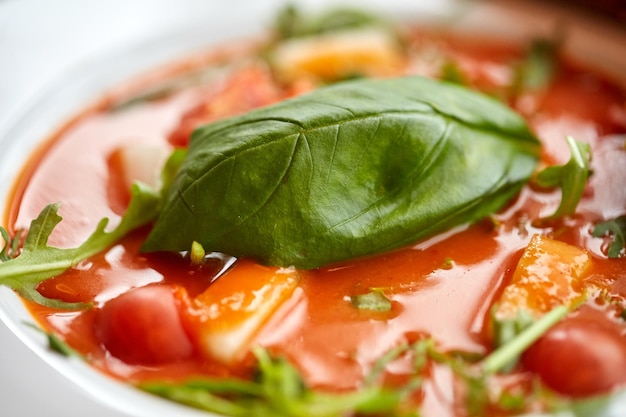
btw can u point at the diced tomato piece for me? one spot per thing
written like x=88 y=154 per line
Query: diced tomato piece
x=245 y=90
x=235 y=307
x=143 y=326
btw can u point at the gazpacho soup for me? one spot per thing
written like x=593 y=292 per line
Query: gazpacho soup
x=344 y=217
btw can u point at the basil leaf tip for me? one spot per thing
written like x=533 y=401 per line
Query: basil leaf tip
x=349 y=170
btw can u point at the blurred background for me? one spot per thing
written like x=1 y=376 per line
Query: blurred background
x=40 y=40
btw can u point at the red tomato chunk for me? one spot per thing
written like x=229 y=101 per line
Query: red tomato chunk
x=143 y=326
x=583 y=355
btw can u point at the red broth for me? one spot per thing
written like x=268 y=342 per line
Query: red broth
x=443 y=287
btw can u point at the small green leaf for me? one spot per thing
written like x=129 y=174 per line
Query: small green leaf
x=11 y=247
x=375 y=300
x=38 y=261
x=616 y=228
x=571 y=177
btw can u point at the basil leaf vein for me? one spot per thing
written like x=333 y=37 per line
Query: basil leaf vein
x=346 y=171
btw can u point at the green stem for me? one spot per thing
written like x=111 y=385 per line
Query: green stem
x=500 y=357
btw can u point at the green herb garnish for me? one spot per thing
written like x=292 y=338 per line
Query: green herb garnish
x=538 y=69
x=278 y=390
x=349 y=170
x=506 y=330
x=571 y=177
x=11 y=246
x=616 y=228
x=450 y=71
x=38 y=261
x=502 y=357
x=56 y=344
x=375 y=300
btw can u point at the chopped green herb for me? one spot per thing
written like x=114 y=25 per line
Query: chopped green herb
x=617 y=229
x=451 y=72
x=375 y=300
x=538 y=69
x=506 y=330
x=197 y=253
x=448 y=263
x=500 y=358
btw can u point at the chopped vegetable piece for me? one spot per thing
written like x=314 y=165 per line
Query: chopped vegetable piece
x=375 y=300
x=140 y=162
x=234 y=308
x=548 y=274
x=144 y=326
x=580 y=356
x=338 y=55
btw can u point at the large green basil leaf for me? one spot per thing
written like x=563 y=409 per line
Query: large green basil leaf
x=348 y=170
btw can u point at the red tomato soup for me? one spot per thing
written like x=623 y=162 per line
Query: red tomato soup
x=144 y=323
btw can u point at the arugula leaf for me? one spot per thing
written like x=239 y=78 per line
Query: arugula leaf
x=349 y=170
x=278 y=390
x=571 y=177
x=617 y=228
x=506 y=330
x=38 y=261
x=501 y=357
x=56 y=344
x=11 y=246
x=375 y=300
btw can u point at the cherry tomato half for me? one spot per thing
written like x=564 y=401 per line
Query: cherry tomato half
x=143 y=326
x=580 y=356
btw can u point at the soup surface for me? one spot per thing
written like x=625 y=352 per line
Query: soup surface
x=163 y=317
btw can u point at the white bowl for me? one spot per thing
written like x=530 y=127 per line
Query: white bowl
x=172 y=29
